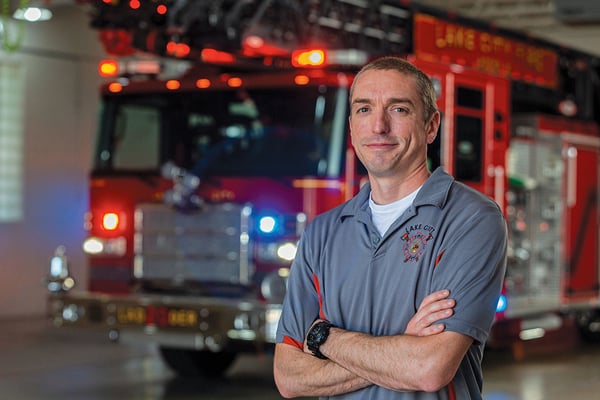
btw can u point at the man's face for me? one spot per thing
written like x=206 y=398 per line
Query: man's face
x=387 y=125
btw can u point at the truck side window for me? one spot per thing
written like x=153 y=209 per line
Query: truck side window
x=469 y=98
x=469 y=134
x=468 y=158
x=136 y=138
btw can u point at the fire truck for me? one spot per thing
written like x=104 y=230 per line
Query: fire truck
x=223 y=132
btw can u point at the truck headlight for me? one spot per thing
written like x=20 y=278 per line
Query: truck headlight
x=100 y=246
x=287 y=251
x=277 y=252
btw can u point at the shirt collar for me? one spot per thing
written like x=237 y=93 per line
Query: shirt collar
x=434 y=192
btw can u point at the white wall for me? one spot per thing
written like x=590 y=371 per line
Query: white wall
x=59 y=58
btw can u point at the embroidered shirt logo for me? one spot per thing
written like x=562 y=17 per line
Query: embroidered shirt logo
x=415 y=241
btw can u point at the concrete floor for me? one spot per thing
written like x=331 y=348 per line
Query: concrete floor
x=40 y=363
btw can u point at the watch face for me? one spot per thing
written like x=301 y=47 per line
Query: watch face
x=321 y=333
x=317 y=336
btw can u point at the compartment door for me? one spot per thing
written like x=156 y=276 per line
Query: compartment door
x=581 y=216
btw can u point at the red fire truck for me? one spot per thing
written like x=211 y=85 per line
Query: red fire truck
x=220 y=138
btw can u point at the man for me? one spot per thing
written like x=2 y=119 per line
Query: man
x=365 y=287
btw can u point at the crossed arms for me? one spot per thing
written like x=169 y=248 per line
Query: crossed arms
x=424 y=358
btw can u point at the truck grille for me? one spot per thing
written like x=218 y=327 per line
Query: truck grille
x=210 y=245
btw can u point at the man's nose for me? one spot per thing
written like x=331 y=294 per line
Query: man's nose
x=381 y=122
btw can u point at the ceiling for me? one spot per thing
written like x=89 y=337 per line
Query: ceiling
x=572 y=23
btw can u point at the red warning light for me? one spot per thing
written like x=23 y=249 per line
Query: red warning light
x=216 y=57
x=178 y=50
x=115 y=87
x=161 y=9
x=203 y=83
x=234 y=82
x=173 y=84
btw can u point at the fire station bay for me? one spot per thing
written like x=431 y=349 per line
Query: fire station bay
x=161 y=159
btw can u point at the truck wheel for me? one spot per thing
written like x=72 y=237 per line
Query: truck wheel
x=589 y=326
x=197 y=363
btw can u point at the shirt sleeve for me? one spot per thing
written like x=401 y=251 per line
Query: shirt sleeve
x=472 y=267
x=301 y=305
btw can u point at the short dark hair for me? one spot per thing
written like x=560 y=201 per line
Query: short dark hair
x=424 y=84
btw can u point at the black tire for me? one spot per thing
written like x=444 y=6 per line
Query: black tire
x=196 y=363
x=588 y=323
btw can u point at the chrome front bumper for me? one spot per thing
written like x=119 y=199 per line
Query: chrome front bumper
x=175 y=321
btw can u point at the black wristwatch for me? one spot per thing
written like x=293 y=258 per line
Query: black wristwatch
x=316 y=336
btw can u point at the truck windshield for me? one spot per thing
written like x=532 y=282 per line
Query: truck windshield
x=245 y=132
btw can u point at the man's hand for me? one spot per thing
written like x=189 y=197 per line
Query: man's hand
x=433 y=308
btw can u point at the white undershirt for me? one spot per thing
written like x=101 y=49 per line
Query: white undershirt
x=383 y=216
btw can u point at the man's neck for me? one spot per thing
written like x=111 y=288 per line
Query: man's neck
x=385 y=190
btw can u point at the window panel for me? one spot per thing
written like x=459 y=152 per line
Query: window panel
x=469 y=148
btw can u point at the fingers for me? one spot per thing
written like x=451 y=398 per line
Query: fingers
x=433 y=317
x=431 y=330
x=435 y=296
x=433 y=308
x=437 y=301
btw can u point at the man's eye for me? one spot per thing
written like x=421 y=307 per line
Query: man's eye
x=362 y=110
x=400 y=109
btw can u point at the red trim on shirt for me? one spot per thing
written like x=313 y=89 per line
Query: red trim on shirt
x=318 y=289
x=451 y=391
x=293 y=342
x=439 y=258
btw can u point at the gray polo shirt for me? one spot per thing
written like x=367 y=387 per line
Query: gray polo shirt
x=451 y=237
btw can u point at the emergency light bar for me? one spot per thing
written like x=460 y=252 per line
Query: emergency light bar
x=308 y=58
x=320 y=57
x=165 y=68
x=114 y=68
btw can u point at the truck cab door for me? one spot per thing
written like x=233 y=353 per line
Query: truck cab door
x=474 y=134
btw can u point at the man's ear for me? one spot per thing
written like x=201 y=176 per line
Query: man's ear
x=433 y=126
